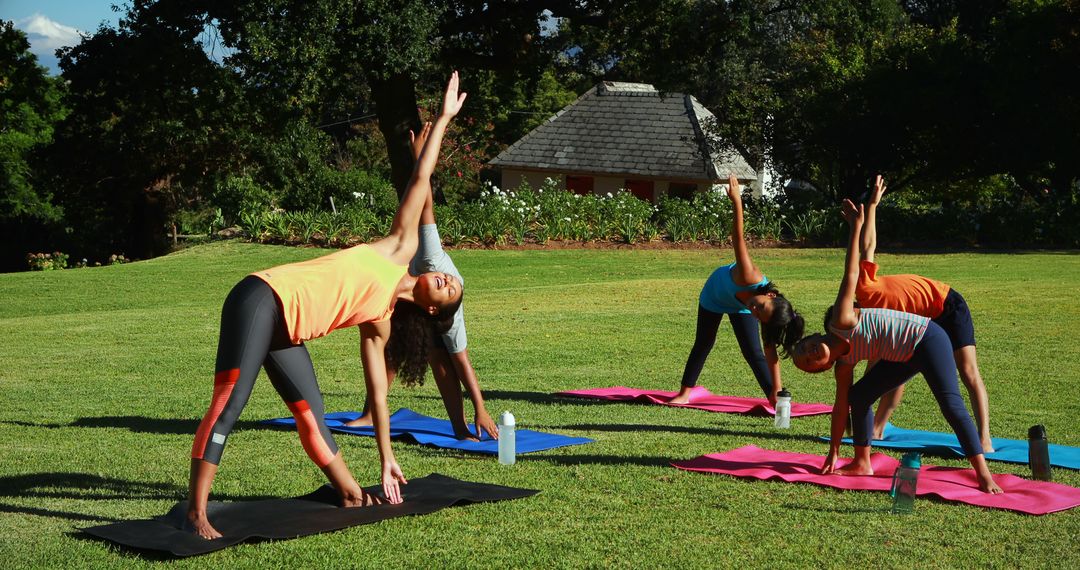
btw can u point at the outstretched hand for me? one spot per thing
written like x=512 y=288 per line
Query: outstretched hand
x=878 y=192
x=416 y=141
x=392 y=479
x=852 y=214
x=452 y=100
x=485 y=423
x=733 y=190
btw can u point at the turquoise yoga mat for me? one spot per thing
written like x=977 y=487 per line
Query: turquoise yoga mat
x=946 y=445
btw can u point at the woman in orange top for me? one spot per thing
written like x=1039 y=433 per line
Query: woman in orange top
x=928 y=298
x=270 y=314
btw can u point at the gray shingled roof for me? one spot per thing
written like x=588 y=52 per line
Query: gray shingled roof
x=626 y=129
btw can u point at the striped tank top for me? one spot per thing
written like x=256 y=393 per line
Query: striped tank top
x=883 y=334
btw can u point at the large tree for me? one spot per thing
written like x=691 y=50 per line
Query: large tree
x=31 y=103
x=153 y=117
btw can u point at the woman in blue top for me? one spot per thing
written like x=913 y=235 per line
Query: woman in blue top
x=742 y=292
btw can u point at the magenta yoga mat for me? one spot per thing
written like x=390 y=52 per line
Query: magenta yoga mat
x=945 y=483
x=700 y=399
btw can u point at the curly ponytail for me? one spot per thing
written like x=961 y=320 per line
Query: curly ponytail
x=412 y=330
x=407 y=350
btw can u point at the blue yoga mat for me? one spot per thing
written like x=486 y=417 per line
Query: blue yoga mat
x=947 y=445
x=432 y=431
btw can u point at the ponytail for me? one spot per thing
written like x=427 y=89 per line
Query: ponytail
x=412 y=330
x=786 y=326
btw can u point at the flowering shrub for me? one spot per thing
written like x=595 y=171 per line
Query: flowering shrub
x=47 y=261
x=525 y=215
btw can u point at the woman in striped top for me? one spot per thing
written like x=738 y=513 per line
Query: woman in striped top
x=903 y=344
x=929 y=298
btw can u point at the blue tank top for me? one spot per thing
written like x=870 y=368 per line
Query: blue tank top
x=718 y=294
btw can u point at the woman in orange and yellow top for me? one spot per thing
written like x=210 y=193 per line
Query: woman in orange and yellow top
x=928 y=298
x=270 y=314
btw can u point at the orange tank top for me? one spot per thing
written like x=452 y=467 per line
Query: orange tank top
x=343 y=289
x=906 y=293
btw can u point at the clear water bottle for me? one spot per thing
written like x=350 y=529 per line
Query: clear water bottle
x=904 y=482
x=782 y=418
x=1038 y=453
x=507 y=444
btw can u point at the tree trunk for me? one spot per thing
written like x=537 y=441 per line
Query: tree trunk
x=395 y=105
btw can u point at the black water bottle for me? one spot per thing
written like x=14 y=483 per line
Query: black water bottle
x=1038 y=453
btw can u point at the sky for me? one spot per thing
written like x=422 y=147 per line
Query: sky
x=50 y=24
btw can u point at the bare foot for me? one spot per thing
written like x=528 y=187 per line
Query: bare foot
x=987 y=446
x=856 y=468
x=879 y=433
x=683 y=397
x=465 y=435
x=201 y=526
x=360 y=421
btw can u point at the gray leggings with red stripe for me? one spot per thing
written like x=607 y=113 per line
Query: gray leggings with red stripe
x=253 y=334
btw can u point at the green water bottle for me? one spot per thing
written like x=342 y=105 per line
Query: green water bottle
x=1039 y=453
x=904 y=481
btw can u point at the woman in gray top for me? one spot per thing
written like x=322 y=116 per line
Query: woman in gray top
x=448 y=356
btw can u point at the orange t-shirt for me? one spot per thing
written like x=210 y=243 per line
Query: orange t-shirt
x=343 y=289
x=907 y=293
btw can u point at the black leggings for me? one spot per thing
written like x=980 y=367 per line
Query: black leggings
x=934 y=358
x=253 y=334
x=746 y=332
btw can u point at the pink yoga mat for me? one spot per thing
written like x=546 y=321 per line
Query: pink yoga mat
x=946 y=483
x=700 y=399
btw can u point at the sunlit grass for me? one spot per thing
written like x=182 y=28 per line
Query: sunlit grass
x=106 y=372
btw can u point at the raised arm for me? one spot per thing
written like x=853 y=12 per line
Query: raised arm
x=372 y=346
x=745 y=273
x=416 y=142
x=400 y=244
x=869 y=232
x=843 y=315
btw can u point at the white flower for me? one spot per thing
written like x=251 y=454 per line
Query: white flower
x=609 y=195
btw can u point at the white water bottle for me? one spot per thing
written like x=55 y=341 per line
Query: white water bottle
x=782 y=419
x=506 y=439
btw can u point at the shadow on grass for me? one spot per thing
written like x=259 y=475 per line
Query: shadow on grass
x=691 y=430
x=137 y=424
x=540 y=398
x=87 y=486
x=598 y=460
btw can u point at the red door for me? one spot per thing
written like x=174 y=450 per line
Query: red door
x=579 y=184
x=641 y=188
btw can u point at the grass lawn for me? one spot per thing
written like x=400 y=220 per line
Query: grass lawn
x=106 y=371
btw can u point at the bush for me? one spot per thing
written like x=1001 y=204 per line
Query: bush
x=238 y=194
x=47 y=261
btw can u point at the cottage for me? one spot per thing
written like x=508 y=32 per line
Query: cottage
x=623 y=136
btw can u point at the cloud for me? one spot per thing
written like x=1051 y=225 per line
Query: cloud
x=46 y=36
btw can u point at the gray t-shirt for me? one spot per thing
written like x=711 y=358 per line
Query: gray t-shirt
x=431 y=257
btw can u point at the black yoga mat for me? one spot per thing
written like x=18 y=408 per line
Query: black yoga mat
x=290 y=518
